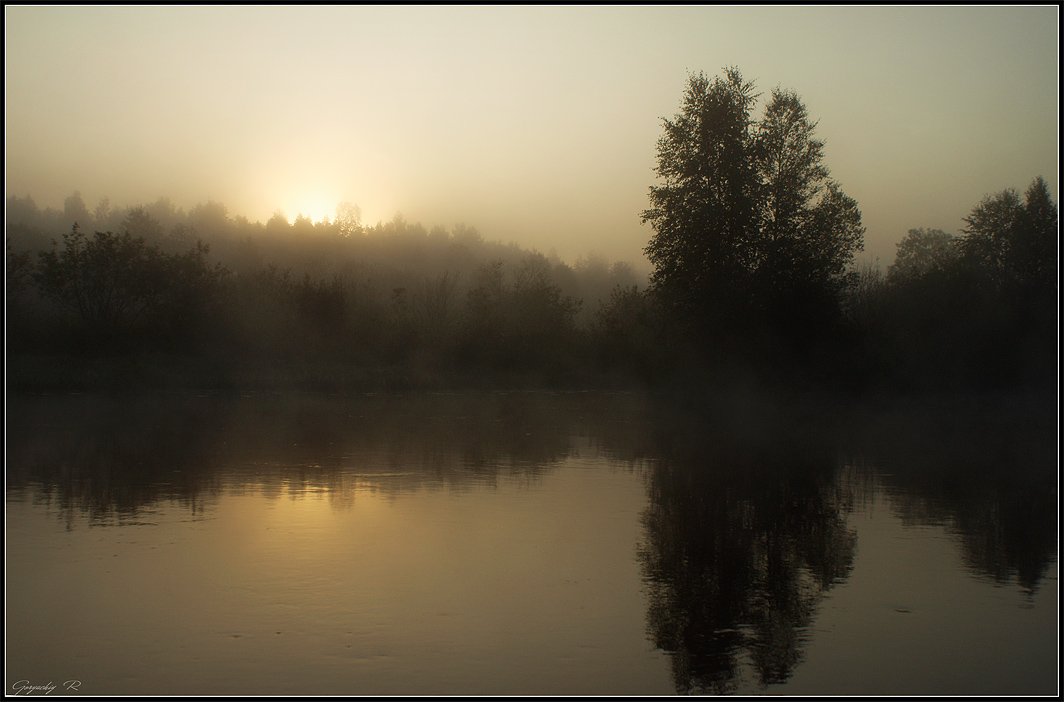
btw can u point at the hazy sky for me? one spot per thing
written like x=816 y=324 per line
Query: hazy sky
x=534 y=124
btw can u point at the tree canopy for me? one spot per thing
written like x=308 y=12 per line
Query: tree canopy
x=112 y=283
x=749 y=228
x=923 y=252
x=1015 y=240
x=704 y=212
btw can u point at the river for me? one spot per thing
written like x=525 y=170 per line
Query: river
x=524 y=543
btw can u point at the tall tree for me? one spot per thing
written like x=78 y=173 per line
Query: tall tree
x=1035 y=248
x=751 y=235
x=810 y=228
x=789 y=163
x=704 y=211
x=74 y=210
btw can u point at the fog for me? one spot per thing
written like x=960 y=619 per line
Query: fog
x=536 y=125
x=532 y=350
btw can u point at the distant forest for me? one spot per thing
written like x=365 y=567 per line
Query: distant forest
x=155 y=294
x=753 y=284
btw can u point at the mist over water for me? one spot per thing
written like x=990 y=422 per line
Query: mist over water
x=531 y=350
x=520 y=543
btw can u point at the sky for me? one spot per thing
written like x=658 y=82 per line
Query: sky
x=534 y=124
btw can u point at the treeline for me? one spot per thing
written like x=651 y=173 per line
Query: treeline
x=755 y=282
x=976 y=310
x=205 y=299
x=754 y=287
x=387 y=255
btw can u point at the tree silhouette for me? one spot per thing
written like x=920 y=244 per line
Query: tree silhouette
x=348 y=219
x=75 y=211
x=704 y=211
x=751 y=236
x=809 y=228
x=139 y=223
x=742 y=539
x=108 y=280
x=1013 y=241
x=113 y=283
x=923 y=252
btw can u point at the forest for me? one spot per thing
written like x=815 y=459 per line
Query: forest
x=753 y=285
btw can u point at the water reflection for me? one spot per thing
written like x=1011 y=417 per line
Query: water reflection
x=110 y=457
x=988 y=473
x=747 y=524
x=377 y=545
x=743 y=535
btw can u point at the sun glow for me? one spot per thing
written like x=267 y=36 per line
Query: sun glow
x=316 y=207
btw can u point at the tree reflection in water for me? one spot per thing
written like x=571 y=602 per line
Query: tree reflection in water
x=987 y=472
x=746 y=523
x=742 y=538
x=114 y=458
x=745 y=527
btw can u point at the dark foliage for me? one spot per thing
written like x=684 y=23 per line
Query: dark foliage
x=976 y=311
x=336 y=306
x=117 y=291
x=753 y=285
x=752 y=239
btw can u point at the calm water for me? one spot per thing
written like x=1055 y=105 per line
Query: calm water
x=525 y=544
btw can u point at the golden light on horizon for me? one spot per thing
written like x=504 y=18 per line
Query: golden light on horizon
x=306 y=200
x=451 y=115
x=320 y=208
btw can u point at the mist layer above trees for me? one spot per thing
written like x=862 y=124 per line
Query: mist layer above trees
x=328 y=304
x=754 y=282
x=392 y=254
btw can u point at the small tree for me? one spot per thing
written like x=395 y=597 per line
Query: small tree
x=1013 y=240
x=626 y=331
x=115 y=283
x=348 y=219
x=19 y=268
x=140 y=224
x=108 y=281
x=923 y=252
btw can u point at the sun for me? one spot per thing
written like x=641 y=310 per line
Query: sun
x=317 y=207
